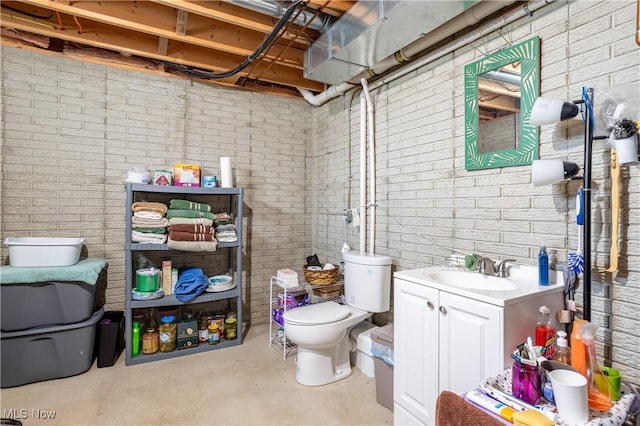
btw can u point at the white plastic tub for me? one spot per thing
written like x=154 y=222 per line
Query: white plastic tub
x=31 y=252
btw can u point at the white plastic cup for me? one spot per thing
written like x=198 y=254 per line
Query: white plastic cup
x=570 y=394
x=626 y=149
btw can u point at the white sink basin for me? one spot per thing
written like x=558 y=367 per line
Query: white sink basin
x=472 y=280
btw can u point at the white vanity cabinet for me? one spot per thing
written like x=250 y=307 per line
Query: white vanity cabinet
x=453 y=339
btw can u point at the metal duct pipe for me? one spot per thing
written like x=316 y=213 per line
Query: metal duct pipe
x=495 y=24
x=272 y=8
x=460 y=22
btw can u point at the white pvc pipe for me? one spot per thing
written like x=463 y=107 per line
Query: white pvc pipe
x=363 y=173
x=372 y=168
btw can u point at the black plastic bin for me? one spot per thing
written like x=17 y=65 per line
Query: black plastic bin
x=110 y=338
x=382 y=349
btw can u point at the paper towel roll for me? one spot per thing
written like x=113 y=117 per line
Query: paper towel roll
x=226 y=176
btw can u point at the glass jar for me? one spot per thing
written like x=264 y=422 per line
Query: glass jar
x=231 y=328
x=214 y=334
x=168 y=333
x=203 y=333
x=150 y=341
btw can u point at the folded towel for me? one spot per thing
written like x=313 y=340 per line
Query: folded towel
x=189 y=213
x=191 y=283
x=190 y=236
x=190 y=221
x=148 y=215
x=150 y=229
x=149 y=223
x=189 y=205
x=454 y=410
x=149 y=206
x=141 y=237
x=192 y=245
x=196 y=229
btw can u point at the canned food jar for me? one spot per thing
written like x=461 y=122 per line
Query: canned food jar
x=150 y=341
x=214 y=334
x=231 y=328
x=168 y=333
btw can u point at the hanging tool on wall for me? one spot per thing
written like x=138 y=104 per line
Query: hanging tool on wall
x=615 y=211
x=576 y=258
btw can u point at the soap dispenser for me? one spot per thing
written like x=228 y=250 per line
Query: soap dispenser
x=562 y=352
x=543 y=266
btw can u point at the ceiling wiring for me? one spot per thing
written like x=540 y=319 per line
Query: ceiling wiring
x=298 y=33
x=263 y=46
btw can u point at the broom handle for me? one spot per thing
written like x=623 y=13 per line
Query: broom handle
x=615 y=211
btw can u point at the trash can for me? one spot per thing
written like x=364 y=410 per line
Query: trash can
x=110 y=338
x=382 y=349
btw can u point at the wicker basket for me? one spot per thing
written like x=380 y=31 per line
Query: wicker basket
x=329 y=291
x=321 y=277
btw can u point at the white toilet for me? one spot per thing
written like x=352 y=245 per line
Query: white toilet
x=321 y=330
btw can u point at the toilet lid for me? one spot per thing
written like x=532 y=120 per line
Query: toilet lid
x=319 y=313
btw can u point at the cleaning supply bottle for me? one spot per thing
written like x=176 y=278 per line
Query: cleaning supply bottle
x=562 y=350
x=578 y=349
x=543 y=266
x=135 y=338
x=597 y=382
x=545 y=332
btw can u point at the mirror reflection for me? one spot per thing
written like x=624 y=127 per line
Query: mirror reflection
x=499 y=109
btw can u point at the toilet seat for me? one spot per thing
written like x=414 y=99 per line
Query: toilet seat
x=320 y=313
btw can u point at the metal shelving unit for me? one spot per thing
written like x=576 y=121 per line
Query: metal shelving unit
x=280 y=342
x=232 y=250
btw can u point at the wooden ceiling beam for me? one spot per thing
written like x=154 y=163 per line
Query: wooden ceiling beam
x=150 y=18
x=334 y=7
x=235 y=15
x=147 y=46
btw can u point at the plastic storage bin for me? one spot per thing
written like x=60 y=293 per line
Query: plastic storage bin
x=39 y=252
x=45 y=353
x=361 y=356
x=110 y=338
x=382 y=349
x=48 y=301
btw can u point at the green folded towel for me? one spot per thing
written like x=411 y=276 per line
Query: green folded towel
x=189 y=205
x=150 y=230
x=189 y=213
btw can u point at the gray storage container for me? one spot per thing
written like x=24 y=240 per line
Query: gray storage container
x=382 y=349
x=45 y=353
x=28 y=305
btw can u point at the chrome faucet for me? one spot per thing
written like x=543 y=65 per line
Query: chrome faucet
x=486 y=266
x=502 y=268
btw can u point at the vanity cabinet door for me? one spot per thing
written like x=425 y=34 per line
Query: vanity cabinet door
x=415 y=371
x=470 y=342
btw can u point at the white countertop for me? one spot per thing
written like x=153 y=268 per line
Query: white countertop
x=527 y=275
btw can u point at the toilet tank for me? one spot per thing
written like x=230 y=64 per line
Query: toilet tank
x=367 y=281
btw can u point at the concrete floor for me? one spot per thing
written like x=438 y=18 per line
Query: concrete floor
x=248 y=384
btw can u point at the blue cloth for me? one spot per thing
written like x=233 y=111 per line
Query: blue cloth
x=191 y=283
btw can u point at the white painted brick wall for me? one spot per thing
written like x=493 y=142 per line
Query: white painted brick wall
x=71 y=130
x=422 y=182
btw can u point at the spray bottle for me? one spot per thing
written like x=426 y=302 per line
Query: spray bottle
x=597 y=383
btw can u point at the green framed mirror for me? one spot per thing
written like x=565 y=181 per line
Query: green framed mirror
x=499 y=92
